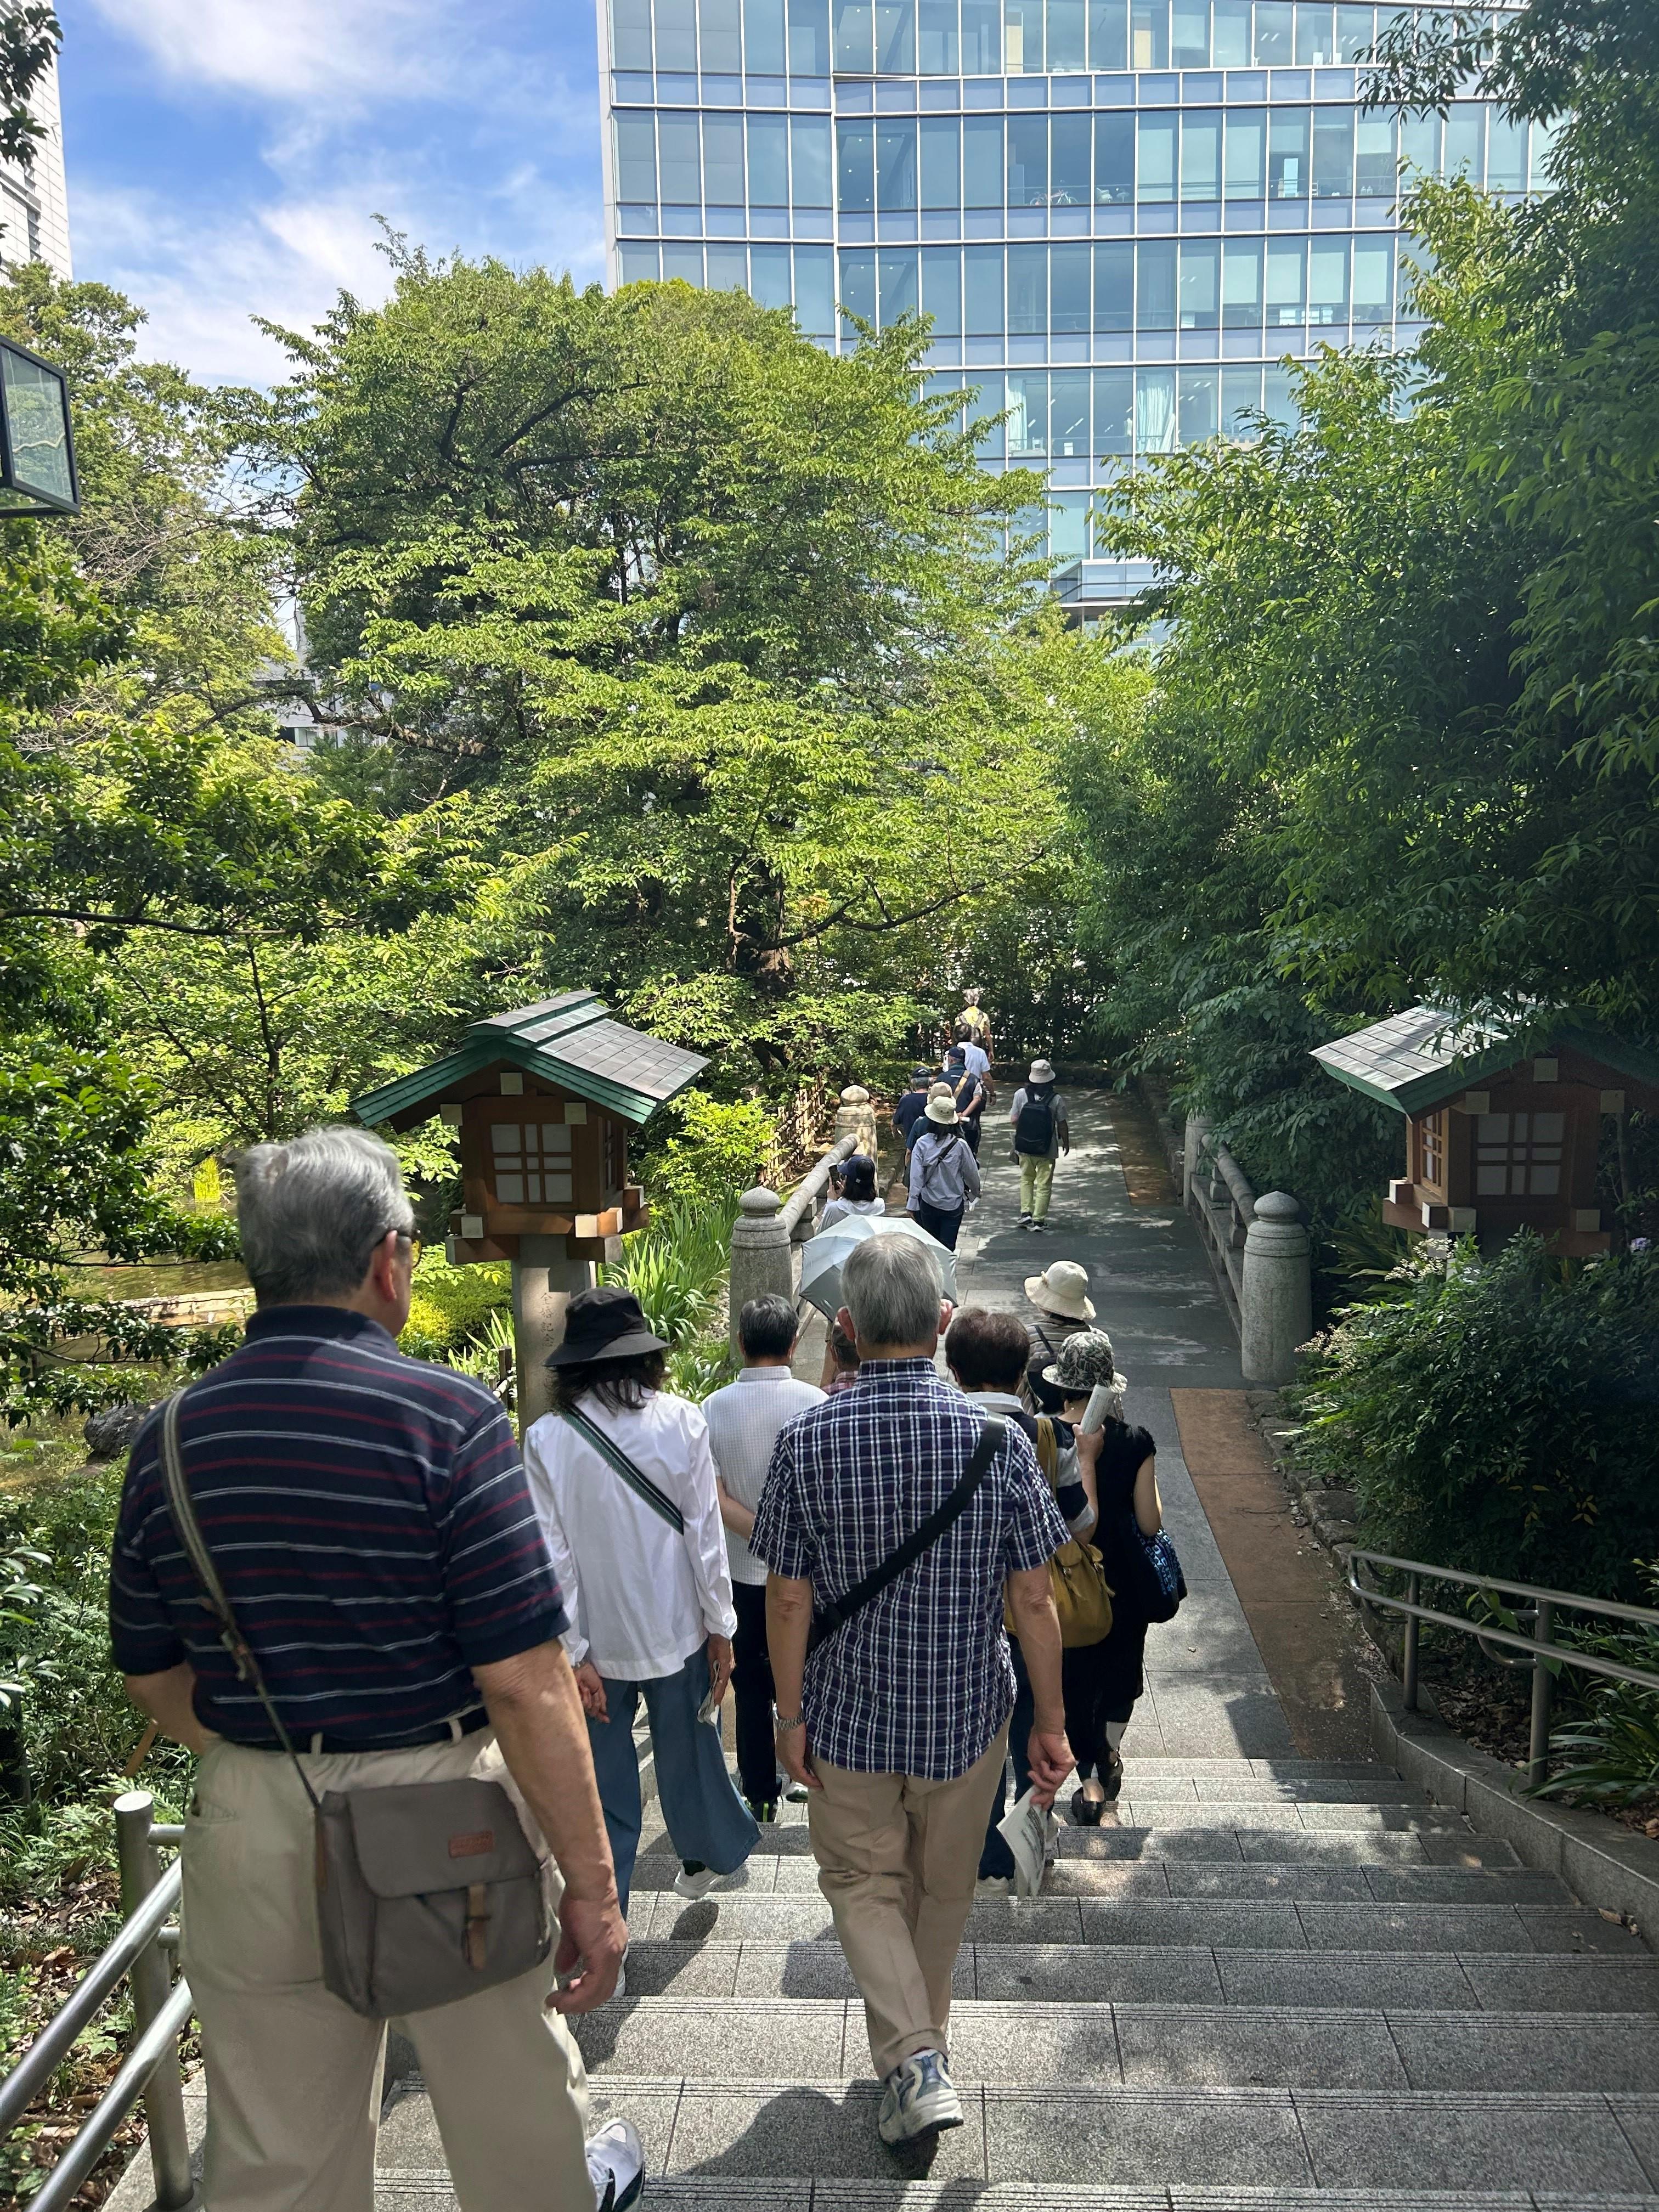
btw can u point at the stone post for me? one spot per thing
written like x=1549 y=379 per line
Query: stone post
x=762 y=1259
x=544 y=1283
x=856 y=1117
x=1192 y=1147
x=1276 y=1294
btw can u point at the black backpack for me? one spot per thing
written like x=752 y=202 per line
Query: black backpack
x=1034 y=1131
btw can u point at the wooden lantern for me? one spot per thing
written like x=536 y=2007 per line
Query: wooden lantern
x=543 y=1099
x=1498 y=1136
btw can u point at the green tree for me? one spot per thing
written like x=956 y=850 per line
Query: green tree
x=712 y=628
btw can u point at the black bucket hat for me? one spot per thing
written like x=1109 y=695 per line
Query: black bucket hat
x=607 y=1324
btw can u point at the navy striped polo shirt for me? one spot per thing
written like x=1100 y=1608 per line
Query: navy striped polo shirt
x=371 y=1524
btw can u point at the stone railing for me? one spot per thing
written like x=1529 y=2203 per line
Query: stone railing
x=769 y=1230
x=1259 y=1251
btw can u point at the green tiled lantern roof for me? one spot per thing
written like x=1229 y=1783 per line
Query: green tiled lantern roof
x=1413 y=1060
x=570 y=1040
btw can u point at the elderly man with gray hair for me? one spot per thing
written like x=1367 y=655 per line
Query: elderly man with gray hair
x=894 y=1514
x=370 y=1524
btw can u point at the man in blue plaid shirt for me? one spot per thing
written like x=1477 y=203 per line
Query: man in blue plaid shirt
x=898 y=1724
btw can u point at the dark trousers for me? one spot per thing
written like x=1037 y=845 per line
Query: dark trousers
x=996 y=1859
x=752 y=1692
x=971 y=1135
x=945 y=1227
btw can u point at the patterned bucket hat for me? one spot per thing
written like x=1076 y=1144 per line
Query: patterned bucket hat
x=1084 y=1362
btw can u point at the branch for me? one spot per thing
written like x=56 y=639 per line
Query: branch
x=116 y=920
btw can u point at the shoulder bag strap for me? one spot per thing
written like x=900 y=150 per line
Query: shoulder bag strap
x=190 y=1532
x=829 y=1618
x=615 y=1457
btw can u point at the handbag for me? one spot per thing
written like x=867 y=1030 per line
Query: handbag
x=1154 y=1572
x=427 y=1892
x=1077 y=1572
x=828 y=1619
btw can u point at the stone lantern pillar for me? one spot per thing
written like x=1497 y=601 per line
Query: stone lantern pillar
x=1276 y=1295
x=855 y=1116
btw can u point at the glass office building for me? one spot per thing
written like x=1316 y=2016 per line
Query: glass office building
x=1122 y=215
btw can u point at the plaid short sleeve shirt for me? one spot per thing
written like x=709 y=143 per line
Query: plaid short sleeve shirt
x=919 y=1681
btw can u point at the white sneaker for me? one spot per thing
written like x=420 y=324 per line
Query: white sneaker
x=917 y=2100
x=694 y=1885
x=616 y=2167
x=994 y=1885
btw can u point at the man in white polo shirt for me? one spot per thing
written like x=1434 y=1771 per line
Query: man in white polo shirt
x=744 y=1422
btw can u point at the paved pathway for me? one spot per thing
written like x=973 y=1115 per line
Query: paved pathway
x=1208 y=1693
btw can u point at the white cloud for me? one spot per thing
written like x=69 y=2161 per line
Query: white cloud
x=322 y=50
x=454 y=118
x=202 y=280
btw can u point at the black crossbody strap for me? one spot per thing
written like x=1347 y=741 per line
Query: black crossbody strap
x=190 y=1533
x=639 y=1482
x=829 y=1618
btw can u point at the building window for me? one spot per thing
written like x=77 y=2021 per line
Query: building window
x=1432 y=1150
x=1519 y=1154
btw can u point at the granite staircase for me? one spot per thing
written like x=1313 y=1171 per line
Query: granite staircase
x=1270 y=1983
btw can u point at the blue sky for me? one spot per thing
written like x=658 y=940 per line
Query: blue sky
x=227 y=158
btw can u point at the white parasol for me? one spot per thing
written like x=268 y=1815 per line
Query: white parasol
x=823 y=1257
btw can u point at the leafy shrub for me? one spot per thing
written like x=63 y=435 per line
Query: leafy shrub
x=1613 y=1751
x=78 y=1726
x=675 y=1267
x=1500 y=1416
x=702 y=1151
x=452 y=1306
x=698 y=1368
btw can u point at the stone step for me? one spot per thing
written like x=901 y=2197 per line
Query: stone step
x=1045 y=1974
x=409 y=2190
x=1331 y=1884
x=796 y=1917
x=1468 y=2145
x=1434 y=1838
x=1150 y=2047
x=1411 y=1814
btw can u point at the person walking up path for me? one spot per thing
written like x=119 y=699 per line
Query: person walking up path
x=1041 y=1133
x=897 y=1723
x=368 y=1519
x=1060 y=1296
x=744 y=1420
x=944 y=1174
x=624 y=1482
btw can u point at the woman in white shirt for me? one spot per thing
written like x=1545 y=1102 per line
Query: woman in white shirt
x=624 y=1486
x=858 y=1191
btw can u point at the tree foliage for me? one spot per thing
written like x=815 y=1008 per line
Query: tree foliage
x=1401 y=735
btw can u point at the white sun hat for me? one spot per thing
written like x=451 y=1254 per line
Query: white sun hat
x=1063 y=1290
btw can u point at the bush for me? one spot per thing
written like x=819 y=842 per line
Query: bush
x=78 y=1726
x=1500 y=1416
x=452 y=1306
x=675 y=1267
x=702 y=1152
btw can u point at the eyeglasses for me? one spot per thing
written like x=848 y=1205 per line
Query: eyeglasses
x=413 y=1244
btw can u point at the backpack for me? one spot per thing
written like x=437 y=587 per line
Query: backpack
x=1034 y=1131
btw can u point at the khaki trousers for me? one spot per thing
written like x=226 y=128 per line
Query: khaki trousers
x=898 y=1858
x=294 y=2075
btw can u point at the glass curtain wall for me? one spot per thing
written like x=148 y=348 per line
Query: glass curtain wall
x=1123 y=219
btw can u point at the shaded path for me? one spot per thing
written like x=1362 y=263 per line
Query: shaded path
x=1209 y=1693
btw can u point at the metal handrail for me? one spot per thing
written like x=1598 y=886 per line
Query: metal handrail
x=1544 y=1655
x=162 y=2008
x=20 y=2088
